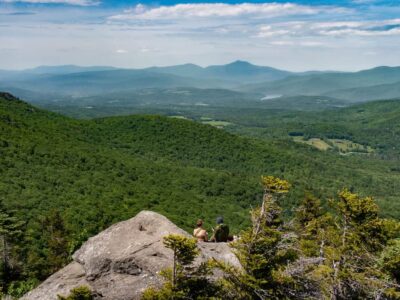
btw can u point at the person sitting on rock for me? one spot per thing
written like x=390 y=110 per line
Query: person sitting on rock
x=199 y=232
x=221 y=232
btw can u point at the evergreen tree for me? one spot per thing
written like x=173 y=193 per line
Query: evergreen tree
x=10 y=231
x=309 y=210
x=56 y=236
x=183 y=281
x=348 y=245
x=315 y=227
x=263 y=250
x=52 y=247
x=390 y=260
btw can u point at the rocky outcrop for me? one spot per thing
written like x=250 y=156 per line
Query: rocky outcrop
x=122 y=261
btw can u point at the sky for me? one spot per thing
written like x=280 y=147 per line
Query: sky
x=295 y=35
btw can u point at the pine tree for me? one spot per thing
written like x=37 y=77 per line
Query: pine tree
x=52 y=246
x=184 y=249
x=183 y=280
x=315 y=227
x=56 y=237
x=348 y=245
x=10 y=231
x=309 y=210
x=363 y=235
x=263 y=250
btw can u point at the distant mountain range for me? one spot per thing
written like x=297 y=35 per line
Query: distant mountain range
x=238 y=71
x=63 y=83
x=335 y=85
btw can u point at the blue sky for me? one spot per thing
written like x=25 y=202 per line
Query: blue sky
x=294 y=35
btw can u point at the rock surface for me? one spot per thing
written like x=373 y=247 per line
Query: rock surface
x=122 y=261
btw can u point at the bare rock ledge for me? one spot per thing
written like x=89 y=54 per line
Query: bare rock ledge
x=123 y=260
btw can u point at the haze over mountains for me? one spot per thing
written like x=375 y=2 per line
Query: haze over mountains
x=332 y=84
x=149 y=143
x=238 y=83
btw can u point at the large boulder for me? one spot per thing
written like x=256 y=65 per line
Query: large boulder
x=123 y=260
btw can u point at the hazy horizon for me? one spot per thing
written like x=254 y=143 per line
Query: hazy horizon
x=190 y=63
x=295 y=35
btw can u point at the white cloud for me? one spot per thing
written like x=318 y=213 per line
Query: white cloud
x=363 y=1
x=268 y=31
x=218 y=10
x=322 y=25
x=69 y=2
x=311 y=44
x=282 y=43
x=361 y=32
x=288 y=36
x=361 y=28
x=297 y=43
x=334 y=29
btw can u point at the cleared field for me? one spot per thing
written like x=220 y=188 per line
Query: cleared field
x=315 y=142
x=219 y=124
x=179 y=117
x=206 y=119
x=349 y=146
x=343 y=146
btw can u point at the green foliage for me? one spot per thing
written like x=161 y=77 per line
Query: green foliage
x=389 y=260
x=10 y=231
x=275 y=185
x=183 y=281
x=56 y=237
x=79 y=293
x=262 y=250
x=309 y=210
x=97 y=172
x=166 y=292
x=348 y=245
x=185 y=250
x=352 y=254
x=18 y=288
x=51 y=250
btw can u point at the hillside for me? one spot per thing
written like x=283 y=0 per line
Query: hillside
x=375 y=92
x=97 y=172
x=376 y=124
x=178 y=141
x=191 y=102
x=328 y=83
x=151 y=97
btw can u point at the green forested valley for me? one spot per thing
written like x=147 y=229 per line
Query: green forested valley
x=64 y=180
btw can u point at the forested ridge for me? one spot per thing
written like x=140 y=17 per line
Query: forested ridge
x=63 y=180
x=375 y=124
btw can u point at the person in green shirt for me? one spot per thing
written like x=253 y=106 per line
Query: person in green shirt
x=221 y=232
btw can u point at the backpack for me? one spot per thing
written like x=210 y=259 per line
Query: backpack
x=221 y=233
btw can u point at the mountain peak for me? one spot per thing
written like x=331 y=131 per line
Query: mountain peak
x=240 y=63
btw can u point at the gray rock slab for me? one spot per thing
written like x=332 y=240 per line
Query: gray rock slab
x=123 y=260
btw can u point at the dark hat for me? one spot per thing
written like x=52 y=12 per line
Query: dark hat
x=220 y=220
